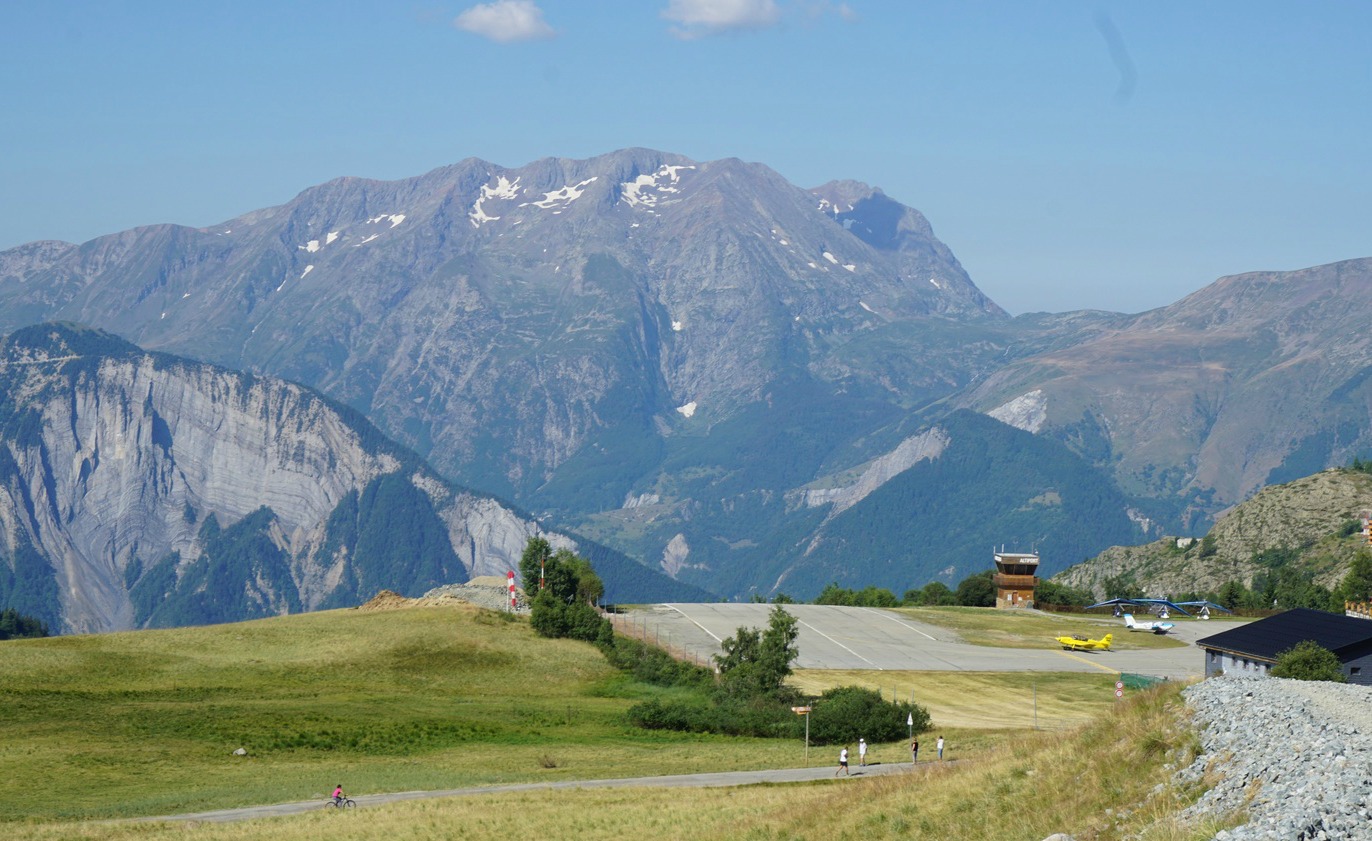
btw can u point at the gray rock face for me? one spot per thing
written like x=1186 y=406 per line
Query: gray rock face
x=118 y=459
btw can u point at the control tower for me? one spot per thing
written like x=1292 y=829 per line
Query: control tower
x=1015 y=579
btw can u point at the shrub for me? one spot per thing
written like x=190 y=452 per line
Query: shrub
x=1309 y=661
x=847 y=713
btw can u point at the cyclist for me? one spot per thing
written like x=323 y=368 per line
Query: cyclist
x=338 y=795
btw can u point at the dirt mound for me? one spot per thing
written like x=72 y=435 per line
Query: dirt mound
x=387 y=600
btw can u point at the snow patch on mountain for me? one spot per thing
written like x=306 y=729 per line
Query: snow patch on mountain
x=311 y=246
x=393 y=218
x=504 y=188
x=558 y=200
x=332 y=235
x=637 y=192
x=687 y=410
x=1027 y=412
x=365 y=241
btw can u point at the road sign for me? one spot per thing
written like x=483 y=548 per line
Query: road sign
x=1119 y=684
x=800 y=710
x=1119 y=693
x=910 y=720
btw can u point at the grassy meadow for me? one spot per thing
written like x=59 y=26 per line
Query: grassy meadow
x=115 y=726
x=1095 y=782
x=146 y=722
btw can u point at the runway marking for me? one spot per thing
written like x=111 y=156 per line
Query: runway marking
x=1090 y=663
x=900 y=622
x=841 y=645
x=692 y=621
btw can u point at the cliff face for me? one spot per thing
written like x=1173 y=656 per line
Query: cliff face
x=113 y=463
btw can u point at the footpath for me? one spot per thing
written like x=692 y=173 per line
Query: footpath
x=712 y=780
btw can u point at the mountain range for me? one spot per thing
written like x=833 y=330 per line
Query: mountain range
x=744 y=384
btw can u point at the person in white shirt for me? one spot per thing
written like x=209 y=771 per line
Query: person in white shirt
x=842 y=762
x=862 y=752
x=940 y=747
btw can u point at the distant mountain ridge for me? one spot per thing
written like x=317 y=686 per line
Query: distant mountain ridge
x=711 y=370
x=142 y=489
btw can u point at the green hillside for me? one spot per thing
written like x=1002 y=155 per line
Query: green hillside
x=994 y=485
x=1307 y=530
x=147 y=722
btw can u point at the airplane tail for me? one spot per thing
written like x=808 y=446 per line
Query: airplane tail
x=1129 y=621
x=1108 y=638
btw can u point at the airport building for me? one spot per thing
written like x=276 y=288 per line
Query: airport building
x=1251 y=650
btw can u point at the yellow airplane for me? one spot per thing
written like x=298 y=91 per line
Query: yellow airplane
x=1084 y=644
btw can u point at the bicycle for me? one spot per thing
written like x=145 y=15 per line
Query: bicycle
x=341 y=803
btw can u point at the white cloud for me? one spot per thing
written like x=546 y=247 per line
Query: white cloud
x=707 y=17
x=505 y=21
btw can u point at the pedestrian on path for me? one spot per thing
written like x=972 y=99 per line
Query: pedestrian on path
x=914 y=751
x=940 y=748
x=862 y=752
x=843 y=762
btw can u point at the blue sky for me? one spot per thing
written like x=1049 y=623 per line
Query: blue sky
x=1072 y=154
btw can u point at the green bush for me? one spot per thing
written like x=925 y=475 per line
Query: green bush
x=1309 y=661
x=847 y=713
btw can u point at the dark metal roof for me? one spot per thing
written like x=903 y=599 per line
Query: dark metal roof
x=1266 y=638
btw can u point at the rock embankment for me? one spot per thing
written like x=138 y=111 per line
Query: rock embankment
x=1296 y=756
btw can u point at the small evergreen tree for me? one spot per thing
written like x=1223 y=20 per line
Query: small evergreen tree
x=1309 y=661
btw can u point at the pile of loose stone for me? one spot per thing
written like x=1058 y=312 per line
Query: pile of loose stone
x=1296 y=755
x=487 y=591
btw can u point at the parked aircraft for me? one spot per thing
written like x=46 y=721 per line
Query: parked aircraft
x=1083 y=644
x=1156 y=627
x=1205 y=608
x=1159 y=606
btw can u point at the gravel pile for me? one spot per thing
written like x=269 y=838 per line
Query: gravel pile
x=486 y=591
x=1297 y=755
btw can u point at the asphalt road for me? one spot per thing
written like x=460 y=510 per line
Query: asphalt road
x=833 y=637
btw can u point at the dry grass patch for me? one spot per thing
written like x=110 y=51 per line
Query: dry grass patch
x=982 y=700
x=1032 y=629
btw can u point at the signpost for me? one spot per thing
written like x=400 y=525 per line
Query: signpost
x=510 y=578
x=910 y=721
x=805 y=711
x=1119 y=689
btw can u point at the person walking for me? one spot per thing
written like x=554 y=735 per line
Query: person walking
x=862 y=753
x=940 y=748
x=843 y=762
x=914 y=751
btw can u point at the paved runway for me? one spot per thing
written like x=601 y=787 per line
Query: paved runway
x=833 y=637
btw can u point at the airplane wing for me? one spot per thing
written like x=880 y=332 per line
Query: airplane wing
x=1206 y=604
